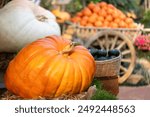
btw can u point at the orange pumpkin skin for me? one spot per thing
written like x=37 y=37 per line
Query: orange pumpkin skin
x=42 y=69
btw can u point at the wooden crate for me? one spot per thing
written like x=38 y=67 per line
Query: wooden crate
x=86 y=32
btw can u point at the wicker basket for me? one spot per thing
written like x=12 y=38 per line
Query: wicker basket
x=108 y=68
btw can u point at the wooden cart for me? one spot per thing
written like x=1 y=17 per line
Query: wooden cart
x=108 y=38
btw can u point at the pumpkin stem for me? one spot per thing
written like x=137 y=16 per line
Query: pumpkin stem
x=69 y=48
x=41 y=18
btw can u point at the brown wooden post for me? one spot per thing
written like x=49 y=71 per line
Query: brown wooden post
x=84 y=3
x=147 y=4
x=3 y=2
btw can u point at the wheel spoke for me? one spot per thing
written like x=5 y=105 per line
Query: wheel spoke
x=100 y=44
x=107 y=42
x=123 y=68
x=121 y=45
x=126 y=52
x=114 y=42
x=107 y=46
x=119 y=75
x=126 y=60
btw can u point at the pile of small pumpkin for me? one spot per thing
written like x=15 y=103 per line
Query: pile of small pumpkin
x=103 y=15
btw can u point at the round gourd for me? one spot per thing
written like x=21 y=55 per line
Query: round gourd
x=51 y=66
x=22 y=22
x=62 y=16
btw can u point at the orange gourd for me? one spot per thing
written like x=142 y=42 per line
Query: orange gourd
x=132 y=25
x=122 y=16
x=103 y=13
x=110 y=11
x=73 y=20
x=91 y=5
x=98 y=23
x=105 y=24
x=89 y=25
x=110 y=6
x=100 y=18
x=83 y=22
x=87 y=11
x=85 y=18
x=117 y=20
x=128 y=20
x=114 y=25
x=80 y=14
x=103 y=4
x=62 y=16
x=93 y=18
x=115 y=14
x=76 y=19
x=51 y=67
x=109 y=18
x=122 y=24
x=96 y=9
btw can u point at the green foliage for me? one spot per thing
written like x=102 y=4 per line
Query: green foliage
x=124 y=5
x=95 y=1
x=146 y=19
x=46 y=4
x=141 y=54
x=97 y=83
x=74 y=6
x=102 y=94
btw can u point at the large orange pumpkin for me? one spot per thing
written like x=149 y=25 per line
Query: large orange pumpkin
x=51 y=66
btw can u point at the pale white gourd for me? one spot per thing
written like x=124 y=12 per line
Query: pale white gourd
x=22 y=22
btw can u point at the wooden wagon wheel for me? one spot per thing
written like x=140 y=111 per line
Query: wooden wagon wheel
x=110 y=40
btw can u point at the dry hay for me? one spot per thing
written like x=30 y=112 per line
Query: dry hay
x=6 y=95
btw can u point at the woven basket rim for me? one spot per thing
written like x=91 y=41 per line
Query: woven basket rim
x=109 y=60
